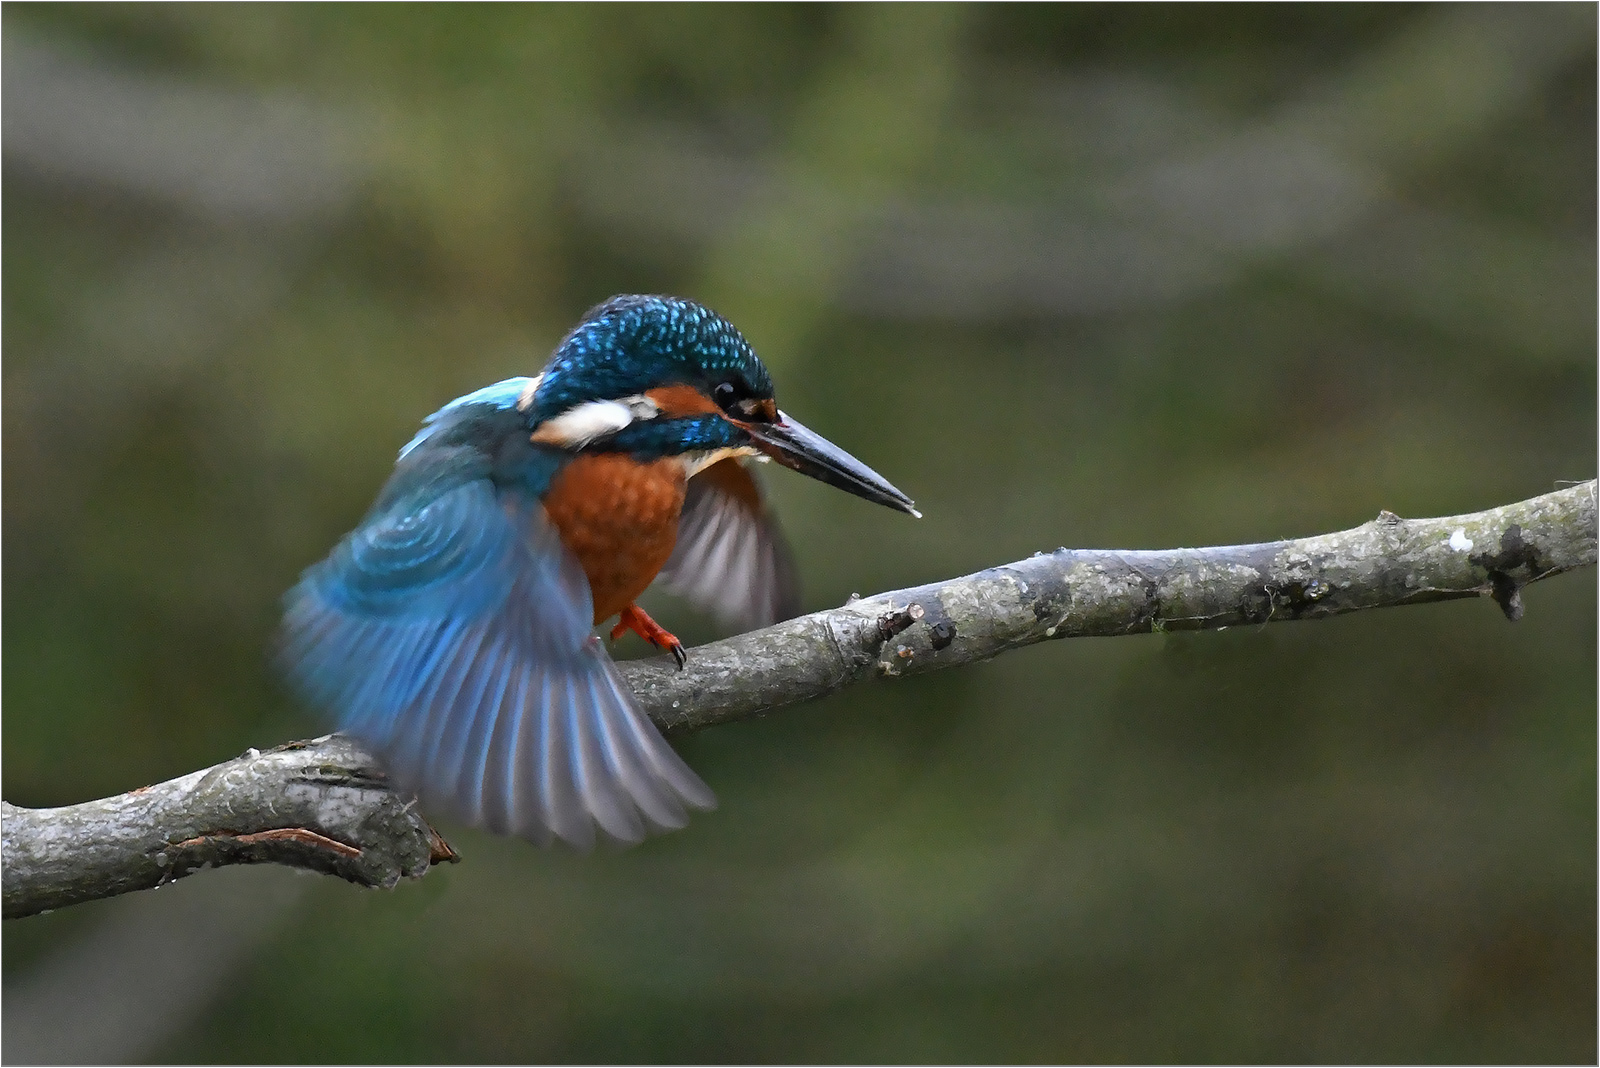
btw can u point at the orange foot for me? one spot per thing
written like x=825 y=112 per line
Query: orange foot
x=634 y=618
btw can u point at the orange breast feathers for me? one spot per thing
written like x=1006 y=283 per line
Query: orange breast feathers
x=619 y=517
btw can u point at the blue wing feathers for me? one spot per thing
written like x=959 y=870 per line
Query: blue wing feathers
x=502 y=396
x=614 y=809
x=416 y=725
x=436 y=560
x=472 y=736
x=500 y=805
x=437 y=760
x=629 y=762
x=548 y=756
x=451 y=631
x=619 y=768
x=580 y=760
x=468 y=785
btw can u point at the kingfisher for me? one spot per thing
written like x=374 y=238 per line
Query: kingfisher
x=451 y=630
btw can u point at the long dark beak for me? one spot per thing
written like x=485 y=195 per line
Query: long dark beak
x=792 y=445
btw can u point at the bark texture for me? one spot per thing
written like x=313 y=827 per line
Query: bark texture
x=324 y=804
x=1077 y=593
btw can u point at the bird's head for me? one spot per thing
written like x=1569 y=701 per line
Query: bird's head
x=664 y=376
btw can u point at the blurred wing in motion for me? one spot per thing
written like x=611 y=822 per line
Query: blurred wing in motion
x=451 y=631
x=731 y=558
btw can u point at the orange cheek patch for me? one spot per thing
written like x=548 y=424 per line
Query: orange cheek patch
x=681 y=400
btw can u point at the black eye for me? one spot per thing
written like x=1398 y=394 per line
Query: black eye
x=736 y=402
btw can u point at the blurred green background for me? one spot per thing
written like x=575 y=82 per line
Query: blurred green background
x=1114 y=276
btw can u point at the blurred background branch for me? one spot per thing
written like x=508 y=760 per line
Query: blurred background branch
x=323 y=805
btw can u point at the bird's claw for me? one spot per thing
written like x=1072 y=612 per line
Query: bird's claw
x=635 y=619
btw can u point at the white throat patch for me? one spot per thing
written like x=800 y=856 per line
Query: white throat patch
x=696 y=462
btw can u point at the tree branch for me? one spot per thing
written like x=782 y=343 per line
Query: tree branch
x=1076 y=593
x=324 y=804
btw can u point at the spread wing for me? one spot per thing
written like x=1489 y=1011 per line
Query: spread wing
x=731 y=558
x=451 y=631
